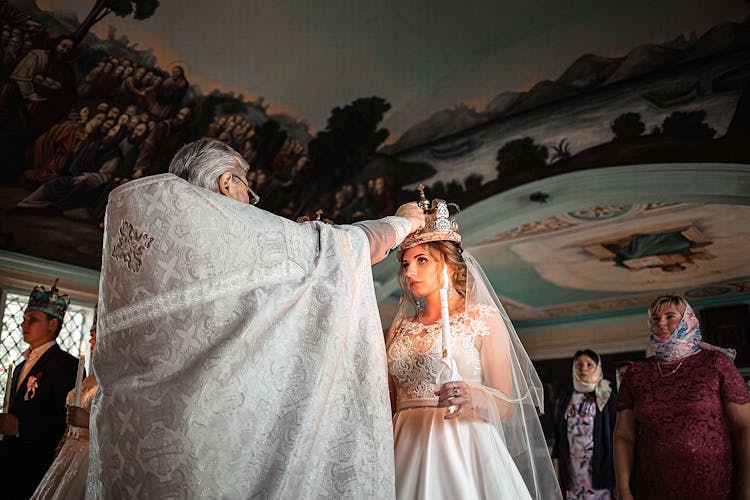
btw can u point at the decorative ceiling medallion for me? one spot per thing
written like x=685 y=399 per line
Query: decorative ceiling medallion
x=615 y=304
x=600 y=212
x=547 y=225
x=731 y=287
x=741 y=285
x=577 y=218
x=657 y=206
x=671 y=250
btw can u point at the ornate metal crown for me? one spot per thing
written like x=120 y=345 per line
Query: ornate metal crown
x=318 y=214
x=48 y=301
x=438 y=224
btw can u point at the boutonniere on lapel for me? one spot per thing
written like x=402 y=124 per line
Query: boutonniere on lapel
x=32 y=383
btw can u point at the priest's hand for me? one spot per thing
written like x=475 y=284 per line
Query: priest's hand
x=77 y=417
x=8 y=424
x=413 y=214
x=457 y=394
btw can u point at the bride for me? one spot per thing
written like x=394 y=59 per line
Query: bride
x=478 y=434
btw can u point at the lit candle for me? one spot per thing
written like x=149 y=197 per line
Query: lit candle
x=79 y=375
x=447 y=371
x=445 y=314
x=8 y=388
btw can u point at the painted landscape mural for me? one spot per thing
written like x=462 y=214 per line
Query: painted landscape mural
x=513 y=110
x=84 y=108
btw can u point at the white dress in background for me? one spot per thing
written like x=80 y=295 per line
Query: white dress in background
x=462 y=458
x=66 y=477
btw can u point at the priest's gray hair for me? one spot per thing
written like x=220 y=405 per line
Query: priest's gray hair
x=202 y=163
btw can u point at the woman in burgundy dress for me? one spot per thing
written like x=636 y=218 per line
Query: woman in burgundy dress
x=683 y=422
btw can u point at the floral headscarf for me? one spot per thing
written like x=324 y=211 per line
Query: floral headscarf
x=684 y=341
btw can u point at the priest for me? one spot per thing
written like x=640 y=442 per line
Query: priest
x=240 y=354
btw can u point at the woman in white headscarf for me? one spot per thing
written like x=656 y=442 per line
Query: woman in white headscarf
x=472 y=431
x=583 y=427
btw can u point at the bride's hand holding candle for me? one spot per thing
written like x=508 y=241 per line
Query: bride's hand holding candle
x=456 y=394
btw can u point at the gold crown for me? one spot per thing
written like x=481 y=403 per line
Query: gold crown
x=318 y=214
x=438 y=226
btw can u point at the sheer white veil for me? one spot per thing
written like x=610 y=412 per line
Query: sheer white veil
x=514 y=411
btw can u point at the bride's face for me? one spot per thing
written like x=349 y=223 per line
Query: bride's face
x=422 y=271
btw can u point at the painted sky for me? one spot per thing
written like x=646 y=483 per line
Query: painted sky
x=307 y=57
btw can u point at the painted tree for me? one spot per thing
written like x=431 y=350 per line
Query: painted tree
x=688 y=125
x=453 y=188
x=349 y=141
x=521 y=154
x=628 y=126
x=140 y=9
x=473 y=182
x=561 y=151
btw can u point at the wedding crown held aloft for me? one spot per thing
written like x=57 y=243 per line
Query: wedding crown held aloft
x=438 y=224
x=318 y=218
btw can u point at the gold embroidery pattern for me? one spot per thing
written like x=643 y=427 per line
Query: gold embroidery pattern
x=131 y=245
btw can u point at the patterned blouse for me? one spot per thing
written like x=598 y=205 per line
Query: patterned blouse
x=580 y=416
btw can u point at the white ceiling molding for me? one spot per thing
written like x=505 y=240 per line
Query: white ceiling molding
x=720 y=183
x=22 y=273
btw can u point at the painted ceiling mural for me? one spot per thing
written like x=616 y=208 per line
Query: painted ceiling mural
x=346 y=106
x=625 y=253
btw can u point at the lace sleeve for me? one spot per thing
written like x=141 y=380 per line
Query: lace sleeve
x=495 y=355
x=491 y=400
x=624 y=394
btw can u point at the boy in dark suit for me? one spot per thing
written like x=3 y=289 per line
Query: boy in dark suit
x=35 y=421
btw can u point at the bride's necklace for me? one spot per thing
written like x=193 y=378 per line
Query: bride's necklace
x=662 y=374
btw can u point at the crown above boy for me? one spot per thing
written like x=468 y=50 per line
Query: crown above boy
x=48 y=301
x=438 y=226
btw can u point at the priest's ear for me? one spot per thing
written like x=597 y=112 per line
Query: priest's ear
x=225 y=184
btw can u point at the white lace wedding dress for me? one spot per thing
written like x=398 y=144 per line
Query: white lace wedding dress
x=66 y=477
x=462 y=458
